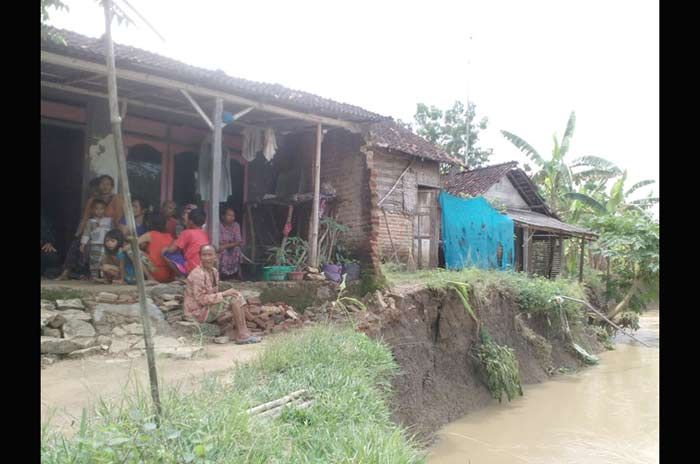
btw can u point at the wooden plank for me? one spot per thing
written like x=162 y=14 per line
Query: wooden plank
x=580 y=264
x=526 y=250
x=55 y=110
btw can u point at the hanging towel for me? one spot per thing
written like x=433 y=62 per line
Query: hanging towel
x=270 y=144
x=252 y=142
x=204 y=172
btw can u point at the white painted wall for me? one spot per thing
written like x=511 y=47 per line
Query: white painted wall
x=504 y=192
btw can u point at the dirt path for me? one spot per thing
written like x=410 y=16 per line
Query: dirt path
x=71 y=385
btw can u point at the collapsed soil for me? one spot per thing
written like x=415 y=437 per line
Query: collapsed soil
x=430 y=334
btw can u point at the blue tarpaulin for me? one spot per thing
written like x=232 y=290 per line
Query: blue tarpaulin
x=475 y=234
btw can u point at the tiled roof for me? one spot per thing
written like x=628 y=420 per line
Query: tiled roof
x=389 y=134
x=136 y=59
x=477 y=181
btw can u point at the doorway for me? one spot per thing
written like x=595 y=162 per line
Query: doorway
x=62 y=149
x=426 y=229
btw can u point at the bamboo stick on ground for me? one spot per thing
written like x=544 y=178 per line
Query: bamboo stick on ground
x=278 y=402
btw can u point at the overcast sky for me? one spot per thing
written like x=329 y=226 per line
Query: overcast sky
x=531 y=62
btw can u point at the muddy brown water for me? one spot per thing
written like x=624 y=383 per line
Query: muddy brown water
x=603 y=414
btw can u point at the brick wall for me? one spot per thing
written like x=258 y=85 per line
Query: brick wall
x=401 y=227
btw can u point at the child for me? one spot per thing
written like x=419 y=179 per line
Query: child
x=114 y=260
x=92 y=240
x=190 y=241
x=182 y=223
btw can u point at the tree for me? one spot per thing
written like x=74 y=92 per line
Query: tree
x=58 y=5
x=630 y=240
x=448 y=130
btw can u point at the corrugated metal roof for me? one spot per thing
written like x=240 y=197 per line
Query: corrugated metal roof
x=542 y=221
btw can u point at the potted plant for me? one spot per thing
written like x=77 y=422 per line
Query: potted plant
x=299 y=250
x=280 y=258
x=350 y=266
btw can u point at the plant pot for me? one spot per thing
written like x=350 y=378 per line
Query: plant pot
x=352 y=271
x=296 y=275
x=277 y=276
x=333 y=272
x=269 y=270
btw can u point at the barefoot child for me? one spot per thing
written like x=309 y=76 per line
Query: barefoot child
x=92 y=240
x=114 y=259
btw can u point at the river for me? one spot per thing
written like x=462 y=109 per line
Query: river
x=607 y=413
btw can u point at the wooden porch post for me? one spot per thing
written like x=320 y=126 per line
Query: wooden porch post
x=526 y=249
x=580 y=264
x=313 y=235
x=213 y=219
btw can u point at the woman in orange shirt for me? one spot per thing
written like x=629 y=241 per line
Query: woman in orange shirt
x=156 y=240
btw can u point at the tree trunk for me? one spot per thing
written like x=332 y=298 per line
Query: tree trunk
x=622 y=305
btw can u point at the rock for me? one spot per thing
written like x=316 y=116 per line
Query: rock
x=312 y=270
x=159 y=291
x=84 y=342
x=196 y=329
x=48 y=332
x=77 y=328
x=277 y=318
x=48 y=305
x=119 y=332
x=270 y=310
x=104 y=342
x=78 y=354
x=119 y=346
x=127 y=299
x=254 y=300
x=136 y=329
x=133 y=354
x=221 y=340
x=47 y=316
x=170 y=305
x=315 y=277
x=76 y=314
x=122 y=314
x=293 y=314
x=180 y=352
x=380 y=299
x=106 y=297
x=75 y=303
x=253 y=309
x=54 y=345
x=48 y=359
x=324 y=293
x=169 y=296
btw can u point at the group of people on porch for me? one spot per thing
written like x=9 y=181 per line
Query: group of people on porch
x=170 y=247
x=169 y=242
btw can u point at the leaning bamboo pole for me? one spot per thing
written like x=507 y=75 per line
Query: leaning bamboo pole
x=116 y=122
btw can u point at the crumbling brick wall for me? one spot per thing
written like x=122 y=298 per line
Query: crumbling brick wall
x=400 y=205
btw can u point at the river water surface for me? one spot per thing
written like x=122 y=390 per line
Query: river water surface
x=607 y=413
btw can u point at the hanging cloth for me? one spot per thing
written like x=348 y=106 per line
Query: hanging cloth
x=252 y=142
x=204 y=172
x=270 y=144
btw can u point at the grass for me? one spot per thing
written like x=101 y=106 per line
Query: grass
x=533 y=294
x=349 y=378
x=60 y=293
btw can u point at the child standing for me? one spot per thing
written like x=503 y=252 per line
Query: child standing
x=190 y=240
x=92 y=240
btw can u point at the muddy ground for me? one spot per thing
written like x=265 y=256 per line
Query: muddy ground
x=430 y=334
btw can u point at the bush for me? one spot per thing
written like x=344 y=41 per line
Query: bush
x=500 y=368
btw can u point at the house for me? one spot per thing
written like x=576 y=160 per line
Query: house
x=539 y=233
x=321 y=157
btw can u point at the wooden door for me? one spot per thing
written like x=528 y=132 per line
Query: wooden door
x=426 y=227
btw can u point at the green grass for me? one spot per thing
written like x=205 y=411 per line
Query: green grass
x=533 y=294
x=60 y=293
x=349 y=377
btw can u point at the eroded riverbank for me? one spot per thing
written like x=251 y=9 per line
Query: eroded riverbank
x=607 y=413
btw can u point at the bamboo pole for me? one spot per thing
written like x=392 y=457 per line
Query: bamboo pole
x=275 y=403
x=580 y=264
x=604 y=317
x=313 y=233
x=116 y=121
x=213 y=219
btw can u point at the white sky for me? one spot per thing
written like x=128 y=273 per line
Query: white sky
x=532 y=62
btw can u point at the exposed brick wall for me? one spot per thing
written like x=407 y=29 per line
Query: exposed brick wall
x=401 y=227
